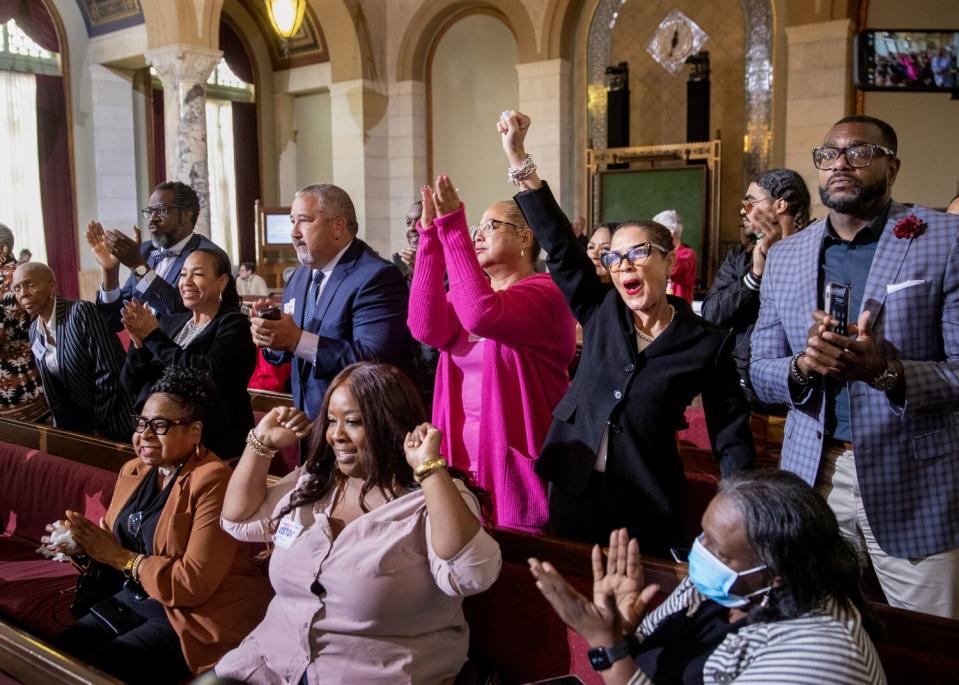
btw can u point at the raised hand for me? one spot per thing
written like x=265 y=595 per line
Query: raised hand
x=97 y=241
x=763 y=221
x=429 y=207
x=513 y=127
x=623 y=579
x=125 y=249
x=422 y=444
x=447 y=199
x=282 y=427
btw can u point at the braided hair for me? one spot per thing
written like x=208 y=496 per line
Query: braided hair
x=787 y=185
x=191 y=389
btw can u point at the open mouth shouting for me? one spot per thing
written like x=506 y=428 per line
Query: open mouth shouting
x=632 y=286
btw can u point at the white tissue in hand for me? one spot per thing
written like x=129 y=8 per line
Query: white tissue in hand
x=60 y=537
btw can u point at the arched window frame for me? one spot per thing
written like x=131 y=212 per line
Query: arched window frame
x=30 y=58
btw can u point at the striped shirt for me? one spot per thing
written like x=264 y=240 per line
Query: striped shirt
x=825 y=647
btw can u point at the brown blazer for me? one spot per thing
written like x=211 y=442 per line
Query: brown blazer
x=213 y=593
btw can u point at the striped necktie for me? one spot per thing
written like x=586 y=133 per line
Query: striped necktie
x=311 y=297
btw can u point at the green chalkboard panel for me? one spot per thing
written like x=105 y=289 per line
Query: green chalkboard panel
x=643 y=193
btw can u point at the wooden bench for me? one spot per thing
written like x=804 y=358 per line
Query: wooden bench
x=28 y=660
x=513 y=629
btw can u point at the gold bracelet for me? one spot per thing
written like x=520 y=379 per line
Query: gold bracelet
x=135 y=571
x=429 y=467
x=127 y=569
x=258 y=447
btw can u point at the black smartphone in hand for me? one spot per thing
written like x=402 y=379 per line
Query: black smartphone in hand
x=837 y=306
x=271 y=313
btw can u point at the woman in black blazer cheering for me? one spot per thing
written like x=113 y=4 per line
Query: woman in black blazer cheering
x=212 y=335
x=611 y=454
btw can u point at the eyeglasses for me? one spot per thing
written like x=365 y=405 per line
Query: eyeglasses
x=858 y=156
x=636 y=255
x=749 y=203
x=160 y=425
x=160 y=210
x=488 y=228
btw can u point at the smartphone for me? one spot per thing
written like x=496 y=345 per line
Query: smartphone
x=837 y=306
x=273 y=313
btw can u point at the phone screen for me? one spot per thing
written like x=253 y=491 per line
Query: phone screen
x=837 y=306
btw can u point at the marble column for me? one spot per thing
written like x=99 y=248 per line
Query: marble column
x=183 y=70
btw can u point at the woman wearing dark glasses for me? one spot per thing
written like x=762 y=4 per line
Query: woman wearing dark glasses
x=611 y=452
x=776 y=206
x=189 y=592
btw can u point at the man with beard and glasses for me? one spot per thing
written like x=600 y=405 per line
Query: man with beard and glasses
x=873 y=415
x=154 y=265
x=343 y=304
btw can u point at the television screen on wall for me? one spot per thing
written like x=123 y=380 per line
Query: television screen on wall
x=278 y=229
x=907 y=60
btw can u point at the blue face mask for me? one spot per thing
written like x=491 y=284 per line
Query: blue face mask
x=714 y=579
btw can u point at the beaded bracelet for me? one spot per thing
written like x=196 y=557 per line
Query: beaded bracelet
x=514 y=176
x=258 y=447
x=135 y=571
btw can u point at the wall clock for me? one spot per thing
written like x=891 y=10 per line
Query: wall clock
x=676 y=38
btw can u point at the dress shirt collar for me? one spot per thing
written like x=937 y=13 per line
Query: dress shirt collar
x=870 y=233
x=178 y=248
x=49 y=328
x=327 y=269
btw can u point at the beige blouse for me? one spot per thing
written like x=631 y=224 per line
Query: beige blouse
x=389 y=609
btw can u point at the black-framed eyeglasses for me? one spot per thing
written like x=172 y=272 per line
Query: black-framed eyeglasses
x=160 y=425
x=636 y=255
x=859 y=155
x=160 y=210
x=488 y=227
x=748 y=203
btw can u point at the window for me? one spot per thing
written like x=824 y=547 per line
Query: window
x=18 y=52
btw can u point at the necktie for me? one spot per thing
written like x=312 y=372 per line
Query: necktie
x=311 y=297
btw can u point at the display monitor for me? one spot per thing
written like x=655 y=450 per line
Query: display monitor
x=907 y=60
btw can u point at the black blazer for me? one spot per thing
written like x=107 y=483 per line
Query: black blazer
x=225 y=349
x=86 y=396
x=643 y=395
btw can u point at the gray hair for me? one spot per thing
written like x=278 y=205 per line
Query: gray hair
x=336 y=202
x=6 y=236
x=670 y=219
x=37 y=268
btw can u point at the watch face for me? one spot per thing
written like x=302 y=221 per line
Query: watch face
x=598 y=659
x=676 y=38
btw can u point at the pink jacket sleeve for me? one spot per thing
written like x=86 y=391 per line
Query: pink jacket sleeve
x=431 y=319
x=527 y=314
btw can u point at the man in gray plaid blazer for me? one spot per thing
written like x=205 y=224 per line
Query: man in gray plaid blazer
x=874 y=416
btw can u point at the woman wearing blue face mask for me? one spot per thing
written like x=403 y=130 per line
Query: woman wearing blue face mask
x=772 y=596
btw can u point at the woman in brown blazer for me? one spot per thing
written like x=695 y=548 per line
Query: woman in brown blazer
x=191 y=592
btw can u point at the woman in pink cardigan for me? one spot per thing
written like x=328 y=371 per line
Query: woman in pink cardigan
x=506 y=338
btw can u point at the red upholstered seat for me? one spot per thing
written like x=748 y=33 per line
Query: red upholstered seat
x=37 y=489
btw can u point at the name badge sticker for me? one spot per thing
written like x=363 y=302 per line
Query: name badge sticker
x=288 y=531
x=39 y=349
x=290 y=306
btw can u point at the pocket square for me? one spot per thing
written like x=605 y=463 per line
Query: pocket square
x=290 y=307
x=893 y=287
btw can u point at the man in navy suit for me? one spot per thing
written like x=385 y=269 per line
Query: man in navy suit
x=343 y=305
x=874 y=415
x=154 y=265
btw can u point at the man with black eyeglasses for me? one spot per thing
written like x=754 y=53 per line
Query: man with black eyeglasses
x=155 y=264
x=873 y=417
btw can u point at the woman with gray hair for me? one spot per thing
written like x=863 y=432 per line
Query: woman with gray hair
x=682 y=280
x=21 y=393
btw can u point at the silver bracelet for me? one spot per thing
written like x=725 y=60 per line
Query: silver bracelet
x=514 y=176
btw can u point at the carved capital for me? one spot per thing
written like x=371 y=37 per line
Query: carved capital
x=179 y=63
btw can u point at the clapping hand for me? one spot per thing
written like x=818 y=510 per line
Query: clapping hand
x=619 y=598
x=138 y=320
x=97 y=240
x=854 y=357
x=126 y=249
x=446 y=198
x=764 y=220
x=422 y=444
x=282 y=427
x=97 y=542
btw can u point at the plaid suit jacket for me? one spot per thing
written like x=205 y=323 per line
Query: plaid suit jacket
x=907 y=457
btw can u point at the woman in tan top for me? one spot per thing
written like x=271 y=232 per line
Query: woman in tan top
x=374 y=548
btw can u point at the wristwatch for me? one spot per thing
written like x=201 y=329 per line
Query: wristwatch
x=887 y=380
x=602 y=658
x=141 y=271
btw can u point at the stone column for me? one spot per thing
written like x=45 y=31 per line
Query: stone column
x=819 y=93
x=408 y=168
x=544 y=94
x=183 y=71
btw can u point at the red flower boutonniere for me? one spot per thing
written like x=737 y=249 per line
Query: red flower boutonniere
x=909 y=227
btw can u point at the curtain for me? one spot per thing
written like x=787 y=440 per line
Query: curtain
x=56 y=183
x=234 y=53
x=20 y=209
x=247 y=170
x=220 y=158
